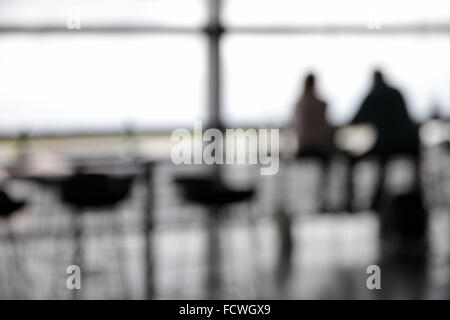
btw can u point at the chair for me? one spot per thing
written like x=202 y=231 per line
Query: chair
x=216 y=197
x=9 y=206
x=89 y=191
x=211 y=193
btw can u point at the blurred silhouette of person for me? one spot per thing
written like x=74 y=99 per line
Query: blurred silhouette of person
x=313 y=130
x=384 y=108
x=314 y=133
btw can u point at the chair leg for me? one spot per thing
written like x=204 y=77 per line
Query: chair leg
x=78 y=252
x=214 y=279
x=255 y=248
x=9 y=285
x=121 y=255
x=24 y=279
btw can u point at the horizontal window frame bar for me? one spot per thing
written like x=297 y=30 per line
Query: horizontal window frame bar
x=435 y=28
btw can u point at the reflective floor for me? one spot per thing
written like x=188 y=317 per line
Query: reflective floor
x=326 y=257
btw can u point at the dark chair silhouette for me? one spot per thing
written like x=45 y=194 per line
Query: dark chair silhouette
x=86 y=191
x=9 y=206
x=446 y=145
x=213 y=194
x=96 y=191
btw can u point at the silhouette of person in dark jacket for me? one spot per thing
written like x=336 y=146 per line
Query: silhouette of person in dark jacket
x=384 y=108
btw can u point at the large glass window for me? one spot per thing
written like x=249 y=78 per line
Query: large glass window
x=263 y=74
x=329 y=12
x=146 y=61
x=100 y=81
x=103 y=12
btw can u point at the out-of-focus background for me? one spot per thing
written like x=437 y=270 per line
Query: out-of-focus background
x=90 y=92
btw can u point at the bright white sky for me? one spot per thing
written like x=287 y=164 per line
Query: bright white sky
x=81 y=82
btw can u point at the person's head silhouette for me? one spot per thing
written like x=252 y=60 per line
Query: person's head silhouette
x=310 y=84
x=378 y=78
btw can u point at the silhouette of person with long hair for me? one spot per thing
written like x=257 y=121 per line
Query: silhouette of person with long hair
x=384 y=108
x=313 y=130
x=314 y=133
